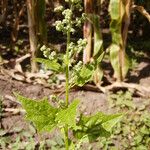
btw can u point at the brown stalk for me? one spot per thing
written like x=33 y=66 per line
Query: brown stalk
x=124 y=32
x=126 y=21
x=87 y=31
x=18 y=15
x=32 y=33
x=142 y=10
x=4 y=4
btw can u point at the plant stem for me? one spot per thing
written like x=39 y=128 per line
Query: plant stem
x=67 y=88
x=66 y=129
x=66 y=138
x=67 y=69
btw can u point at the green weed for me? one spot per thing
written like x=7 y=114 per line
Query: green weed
x=64 y=116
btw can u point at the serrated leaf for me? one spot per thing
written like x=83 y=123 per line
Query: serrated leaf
x=41 y=113
x=110 y=121
x=84 y=74
x=98 y=125
x=95 y=126
x=68 y=116
x=50 y=64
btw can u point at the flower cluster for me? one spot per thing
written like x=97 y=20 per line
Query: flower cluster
x=69 y=23
x=77 y=48
x=48 y=53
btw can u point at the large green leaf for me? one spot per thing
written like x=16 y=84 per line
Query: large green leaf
x=98 y=125
x=110 y=121
x=50 y=64
x=41 y=113
x=68 y=116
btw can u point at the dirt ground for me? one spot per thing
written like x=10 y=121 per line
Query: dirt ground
x=91 y=101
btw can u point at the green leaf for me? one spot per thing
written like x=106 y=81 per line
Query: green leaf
x=50 y=64
x=90 y=128
x=84 y=74
x=138 y=139
x=109 y=121
x=72 y=146
x=100 y=57
x=68 y=116
x=141 y=147
x=41 y=113
x=145 y=130
x=98 y=125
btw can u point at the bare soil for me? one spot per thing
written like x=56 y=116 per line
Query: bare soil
x=91 y=101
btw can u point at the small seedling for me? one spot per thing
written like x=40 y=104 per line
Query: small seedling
x=64 y=116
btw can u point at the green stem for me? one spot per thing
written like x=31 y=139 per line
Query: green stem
x=66 y=138
x=66 y=129
x=67 y=89
x=67 y=69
